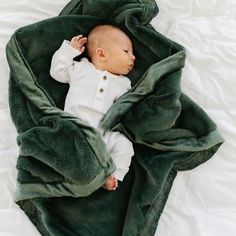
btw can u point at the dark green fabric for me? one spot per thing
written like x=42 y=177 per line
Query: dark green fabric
x=63 y=162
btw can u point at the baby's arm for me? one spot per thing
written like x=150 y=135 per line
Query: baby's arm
x=62 y=60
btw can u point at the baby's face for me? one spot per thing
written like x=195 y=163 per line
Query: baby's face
x=119 y=54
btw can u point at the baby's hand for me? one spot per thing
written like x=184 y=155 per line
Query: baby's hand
x=78 y=42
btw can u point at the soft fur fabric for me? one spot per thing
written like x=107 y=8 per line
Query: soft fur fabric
x=63 y=162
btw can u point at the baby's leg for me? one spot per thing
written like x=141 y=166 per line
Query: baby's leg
x=121 y=151
x=111 y=183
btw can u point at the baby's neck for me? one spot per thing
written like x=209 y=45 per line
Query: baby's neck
x=102 y=67
x=98 y=67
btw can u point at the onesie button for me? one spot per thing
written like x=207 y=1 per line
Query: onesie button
x=104 y=77
x=101 y=90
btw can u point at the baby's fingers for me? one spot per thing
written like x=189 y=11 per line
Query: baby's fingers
x=78 y=42
x=82 y=49
x=76 y=38
x=82 y=41
x=79 y=38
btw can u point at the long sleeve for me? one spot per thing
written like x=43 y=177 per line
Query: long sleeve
x=62 y=62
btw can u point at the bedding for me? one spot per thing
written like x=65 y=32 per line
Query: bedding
x=12 y=151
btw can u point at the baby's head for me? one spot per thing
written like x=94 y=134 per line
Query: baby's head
x=109 y=48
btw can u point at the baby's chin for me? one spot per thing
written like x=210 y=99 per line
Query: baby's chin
x=118 y=73
x=123 y=71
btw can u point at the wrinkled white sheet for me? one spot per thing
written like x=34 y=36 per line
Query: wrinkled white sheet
x=202 y=201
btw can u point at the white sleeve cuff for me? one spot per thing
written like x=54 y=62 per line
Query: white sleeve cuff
x=120 y=173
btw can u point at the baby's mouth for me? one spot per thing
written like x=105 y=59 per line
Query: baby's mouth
x=131 y=66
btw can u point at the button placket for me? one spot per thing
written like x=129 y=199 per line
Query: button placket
x=100 y=93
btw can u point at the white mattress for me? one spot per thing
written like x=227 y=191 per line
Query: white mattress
x=202 y=201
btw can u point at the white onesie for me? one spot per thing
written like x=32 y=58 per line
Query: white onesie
x=91 y=94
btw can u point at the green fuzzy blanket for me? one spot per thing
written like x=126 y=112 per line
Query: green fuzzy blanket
x=63 y=162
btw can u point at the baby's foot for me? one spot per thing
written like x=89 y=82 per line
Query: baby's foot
x=111 y=183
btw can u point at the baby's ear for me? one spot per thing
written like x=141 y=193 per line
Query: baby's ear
x=100 y=53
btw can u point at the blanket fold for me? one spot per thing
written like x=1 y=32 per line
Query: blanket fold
x=63 y=161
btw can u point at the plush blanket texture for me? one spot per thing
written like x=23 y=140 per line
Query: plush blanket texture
x=63 y=162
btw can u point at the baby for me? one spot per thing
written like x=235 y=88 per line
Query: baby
x=96 y=84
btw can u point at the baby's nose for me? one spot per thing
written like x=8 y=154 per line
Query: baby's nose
x=132 y=57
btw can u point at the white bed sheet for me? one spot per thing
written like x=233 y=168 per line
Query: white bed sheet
x=202 y=201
